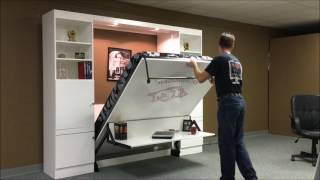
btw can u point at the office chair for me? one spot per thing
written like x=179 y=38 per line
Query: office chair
x=305 y=122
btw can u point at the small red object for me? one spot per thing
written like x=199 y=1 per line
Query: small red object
x=193 y=130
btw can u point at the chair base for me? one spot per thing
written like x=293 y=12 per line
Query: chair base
x=313 y=156
x=306 y=156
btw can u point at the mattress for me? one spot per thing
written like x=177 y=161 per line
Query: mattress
x=135 y=98
x=114 y=96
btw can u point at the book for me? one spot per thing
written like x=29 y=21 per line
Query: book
x=88 y=70
x=81 y=70
x=120 y=131
x=85 y=70
x=163 y=135
x=116 y=131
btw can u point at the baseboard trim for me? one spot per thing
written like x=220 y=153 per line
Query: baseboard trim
x=256 y=133
x=214 y=139
x=19 y=171
x=38 y=168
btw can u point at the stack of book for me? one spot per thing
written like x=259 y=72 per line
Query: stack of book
x=120 y=131
x=85 y=70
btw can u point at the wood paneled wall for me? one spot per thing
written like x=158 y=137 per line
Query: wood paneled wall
x=21 y=67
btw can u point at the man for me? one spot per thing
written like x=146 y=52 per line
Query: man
x=226 y=70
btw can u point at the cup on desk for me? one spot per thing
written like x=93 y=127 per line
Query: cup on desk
x=193 y=130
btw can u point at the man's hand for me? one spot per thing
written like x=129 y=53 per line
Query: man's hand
x=212 y=80
x=192 y=63
x=200 y=75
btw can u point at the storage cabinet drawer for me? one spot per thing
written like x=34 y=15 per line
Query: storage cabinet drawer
x=74 y=149
x=191 y=142
x=191 y=150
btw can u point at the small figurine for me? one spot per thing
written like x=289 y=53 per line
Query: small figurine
x=186 y=46
x=61 y=55
x=72 y=35
x=79 y=55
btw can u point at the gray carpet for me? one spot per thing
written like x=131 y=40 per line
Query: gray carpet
x=270 y=155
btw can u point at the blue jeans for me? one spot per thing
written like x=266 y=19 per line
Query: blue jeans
x=230 y=137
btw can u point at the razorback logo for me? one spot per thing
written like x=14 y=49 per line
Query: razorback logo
x=168 y=94
x=172 y=81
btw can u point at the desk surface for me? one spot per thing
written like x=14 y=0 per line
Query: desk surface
x=146 y=141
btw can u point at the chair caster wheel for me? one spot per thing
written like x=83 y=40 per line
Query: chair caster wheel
x=292 y=158
x=313 y=164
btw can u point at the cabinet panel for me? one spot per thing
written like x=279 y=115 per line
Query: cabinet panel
x=191 y=142
x=198 y=110
x=194 y=142
x=74 y=104
x=191 y=150
x=74 y=149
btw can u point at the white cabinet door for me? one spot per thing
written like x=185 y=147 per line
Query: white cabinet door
x=74 y=149
x=74 y=106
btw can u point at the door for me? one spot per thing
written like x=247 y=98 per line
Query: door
x=294 y=70
x=74 y=105
x=74 y=149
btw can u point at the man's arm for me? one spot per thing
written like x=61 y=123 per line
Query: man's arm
x=200 y=75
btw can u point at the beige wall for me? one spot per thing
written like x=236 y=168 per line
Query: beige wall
x=103 y=39
x=252 y=49
x=294 y=69
x=21 y=67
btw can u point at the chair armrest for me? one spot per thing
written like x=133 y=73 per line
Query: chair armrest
x=296 y=122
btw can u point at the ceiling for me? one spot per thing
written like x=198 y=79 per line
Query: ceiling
x=268 y=13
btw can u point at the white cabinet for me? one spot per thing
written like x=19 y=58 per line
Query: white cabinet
x=68 y=90
x=74 y=149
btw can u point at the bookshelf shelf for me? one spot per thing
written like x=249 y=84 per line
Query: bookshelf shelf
x=73 y=80
x=74 y=43
x=72 y=59
x=69 y=49
x=192 y=52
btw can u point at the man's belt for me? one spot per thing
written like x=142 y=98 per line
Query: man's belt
x=229 y=95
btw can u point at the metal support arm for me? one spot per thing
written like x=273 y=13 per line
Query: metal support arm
x=150 y=78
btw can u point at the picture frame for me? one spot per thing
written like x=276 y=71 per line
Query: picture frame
x=117 y=60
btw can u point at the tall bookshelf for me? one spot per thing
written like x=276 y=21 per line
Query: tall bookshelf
x=68 y=95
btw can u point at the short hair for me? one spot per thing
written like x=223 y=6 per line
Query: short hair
x=227 y=40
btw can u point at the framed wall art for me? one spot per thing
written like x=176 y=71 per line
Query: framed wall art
x=117 y=60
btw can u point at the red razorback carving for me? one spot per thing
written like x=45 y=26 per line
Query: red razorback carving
x=168 y=94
